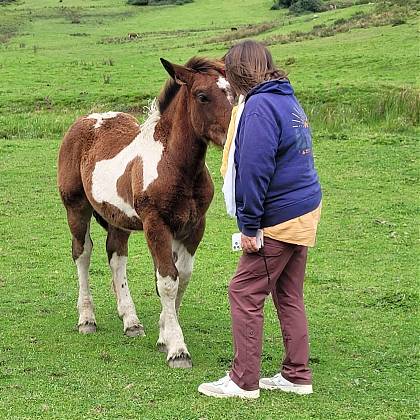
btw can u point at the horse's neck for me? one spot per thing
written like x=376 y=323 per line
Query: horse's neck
x=183 y=148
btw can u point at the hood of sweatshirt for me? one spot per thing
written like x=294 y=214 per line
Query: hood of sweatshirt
x=280 y=87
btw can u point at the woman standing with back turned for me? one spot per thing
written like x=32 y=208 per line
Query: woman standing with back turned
x=277 y=190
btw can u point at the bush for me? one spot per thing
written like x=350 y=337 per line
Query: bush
x=278 y=4
x=157 y=2
x=138 y=2
x=306 y=6
x=299 y=6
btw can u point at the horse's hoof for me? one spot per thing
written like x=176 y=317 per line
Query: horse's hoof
x=87 y=327
x=182 y=361
x=161 y=347
x=135 y=331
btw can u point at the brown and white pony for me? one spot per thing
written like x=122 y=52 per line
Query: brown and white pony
x=149 y=177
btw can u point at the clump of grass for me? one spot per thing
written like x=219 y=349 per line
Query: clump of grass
x=359 y=19
x=402 y=104
x=9 y=27
x=395 y=108
x=244 y=32
x=289 y=61
x=108 y=62
x=79 y=34
x=72 y=14
x=107 y=79
x=394 y=300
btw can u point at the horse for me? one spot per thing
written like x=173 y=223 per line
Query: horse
x=152 y=178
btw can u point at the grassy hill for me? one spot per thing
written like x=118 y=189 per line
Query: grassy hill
x=355 y=70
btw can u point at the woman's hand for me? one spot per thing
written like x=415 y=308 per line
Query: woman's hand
x=249 y=243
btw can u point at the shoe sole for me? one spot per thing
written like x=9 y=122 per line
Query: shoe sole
x=209 y=393
x=294 y=390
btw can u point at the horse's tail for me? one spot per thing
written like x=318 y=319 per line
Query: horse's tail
x=100 y=220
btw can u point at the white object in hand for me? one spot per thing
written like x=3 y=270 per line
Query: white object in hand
x=236 y=240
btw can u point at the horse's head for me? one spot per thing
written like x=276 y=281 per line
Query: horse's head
x=209 y=96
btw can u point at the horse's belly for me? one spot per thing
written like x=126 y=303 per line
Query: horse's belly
x=116 y=217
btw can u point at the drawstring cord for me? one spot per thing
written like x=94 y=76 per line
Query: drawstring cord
x=266 y=266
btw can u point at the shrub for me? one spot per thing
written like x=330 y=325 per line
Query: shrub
x=306 y=6
x=157 y=2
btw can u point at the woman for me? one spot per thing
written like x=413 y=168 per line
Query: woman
x=277 y=190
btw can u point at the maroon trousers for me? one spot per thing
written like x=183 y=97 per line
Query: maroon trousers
x=248 y=289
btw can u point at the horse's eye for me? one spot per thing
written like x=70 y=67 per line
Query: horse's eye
x=202 y=98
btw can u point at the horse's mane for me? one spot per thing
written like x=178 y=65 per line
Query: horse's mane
x=171 y=88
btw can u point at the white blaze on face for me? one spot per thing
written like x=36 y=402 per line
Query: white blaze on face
x=223 y=84
x=106 y=172
x=101 y=117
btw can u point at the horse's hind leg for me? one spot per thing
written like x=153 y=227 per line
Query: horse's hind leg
x=78 y=216
x=117 y=249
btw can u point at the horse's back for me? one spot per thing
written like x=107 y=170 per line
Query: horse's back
x=91 y=138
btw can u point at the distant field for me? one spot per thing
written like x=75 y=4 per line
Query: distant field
x=359 y=85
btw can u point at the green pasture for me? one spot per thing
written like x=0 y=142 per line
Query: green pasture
x=360 y=88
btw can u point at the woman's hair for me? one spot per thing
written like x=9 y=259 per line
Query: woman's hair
x=249 y=63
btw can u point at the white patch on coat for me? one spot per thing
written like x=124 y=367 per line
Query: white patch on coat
x=171 y=333
x=100 y=117
x=85 y=301
x=108 y=171
x=125 y=304
x=224 y=85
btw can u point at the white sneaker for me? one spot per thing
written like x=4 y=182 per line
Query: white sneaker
x=278 y=382
x=226 y=388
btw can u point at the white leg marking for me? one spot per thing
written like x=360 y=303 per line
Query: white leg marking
x=184 y=264
x=223 y=84
x=87 y=319
x=125 y=304
x=107 y=172
x=172 y=335
x=101 y=117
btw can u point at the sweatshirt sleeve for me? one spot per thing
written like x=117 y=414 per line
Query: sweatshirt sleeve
x=255 y=167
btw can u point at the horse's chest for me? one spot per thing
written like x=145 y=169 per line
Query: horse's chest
x=186 y=209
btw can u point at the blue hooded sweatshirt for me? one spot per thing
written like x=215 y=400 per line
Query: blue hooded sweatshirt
x=276 y=178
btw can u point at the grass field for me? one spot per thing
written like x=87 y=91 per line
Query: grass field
x=360 y=88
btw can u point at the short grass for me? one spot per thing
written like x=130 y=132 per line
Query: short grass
x=362 y=278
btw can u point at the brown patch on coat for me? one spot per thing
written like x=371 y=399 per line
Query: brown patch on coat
x=130 y=180
x=112 y=136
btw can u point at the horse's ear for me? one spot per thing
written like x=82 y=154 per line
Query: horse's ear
x=182 y=75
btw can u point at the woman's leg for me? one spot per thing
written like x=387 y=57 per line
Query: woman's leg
x=247 y=292
x=288 y=298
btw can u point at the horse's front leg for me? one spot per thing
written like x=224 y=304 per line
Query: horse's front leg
x=159 y=239
x=184 y=252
